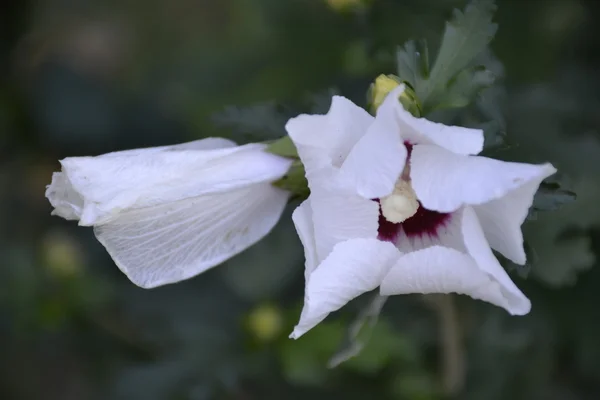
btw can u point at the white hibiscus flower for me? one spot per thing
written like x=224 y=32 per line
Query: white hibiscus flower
x=403 y=204
x=166 y=214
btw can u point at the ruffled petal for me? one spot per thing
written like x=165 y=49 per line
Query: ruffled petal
x=440 y=269
x=67 y=202
x=171 y=242
x=325 y=140
x=377 y=160
x=478 y=248
x=338 y=213
x=353 y=267
x=115 y=182
x=415 y=130
x=474 y=271
x=445 y=181
x=501 y=219
x=303 y=221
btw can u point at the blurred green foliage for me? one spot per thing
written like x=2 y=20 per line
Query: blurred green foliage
x=87 y=77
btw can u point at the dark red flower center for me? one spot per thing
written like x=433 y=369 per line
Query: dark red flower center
x=424 y=222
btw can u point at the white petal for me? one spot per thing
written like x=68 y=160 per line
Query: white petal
x=210 y=143
x=171 y=242
x=67 y=203
x=444 y=181
x=478 y=248
x=440 y=269
x=377 y=160
x=354 y=267
x=501 y=219
x=325 y=140
x=338 y=213
x=303 y=220
x=469 y=268
x=457 y=139
x=112 y=183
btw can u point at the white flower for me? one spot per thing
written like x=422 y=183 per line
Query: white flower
x=166 y=214
x=403 y=204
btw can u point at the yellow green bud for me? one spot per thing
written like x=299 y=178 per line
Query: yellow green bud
x=265 y=323
x=345 y=5
x=62 y=256
x=383 y=85
x=379 y=89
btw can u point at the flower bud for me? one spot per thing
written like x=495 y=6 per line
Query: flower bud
x=345 y=5
x=383 y=85
x=265 y=322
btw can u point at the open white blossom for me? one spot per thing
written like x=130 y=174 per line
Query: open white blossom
x=166 y=214
x=404 y=204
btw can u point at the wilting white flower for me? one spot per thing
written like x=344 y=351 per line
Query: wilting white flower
x=169 y=213
x=403 y=204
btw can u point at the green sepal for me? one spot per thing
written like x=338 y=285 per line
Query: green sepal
x=410 y=102
x=295 y=181
x=283 y=147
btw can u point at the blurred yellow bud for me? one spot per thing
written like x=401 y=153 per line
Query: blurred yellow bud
x=344 y=5
x=61 y=254
x=265 y=322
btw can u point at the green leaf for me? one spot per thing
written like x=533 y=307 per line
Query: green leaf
x=465 y=86
x=466 y=35
x=449 y=84
x=413 y=63
x=561 y=256
x=550 y=196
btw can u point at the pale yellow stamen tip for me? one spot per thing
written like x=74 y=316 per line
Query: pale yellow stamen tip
x=401 y=204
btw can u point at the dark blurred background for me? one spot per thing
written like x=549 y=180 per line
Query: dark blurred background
x=85 y=77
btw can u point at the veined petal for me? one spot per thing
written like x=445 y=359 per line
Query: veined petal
x=115 y=182
x=325 y=140
x=174 y=241
x=377 y=160
x=353 y=267
x=470 y=269
x=445 y=181
x=338 y=213
x=69 y=203
x=501 y=219
x=303 y=220
x=415 y=130
x=478 y=247
x=440 y=269
x=210 y=143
